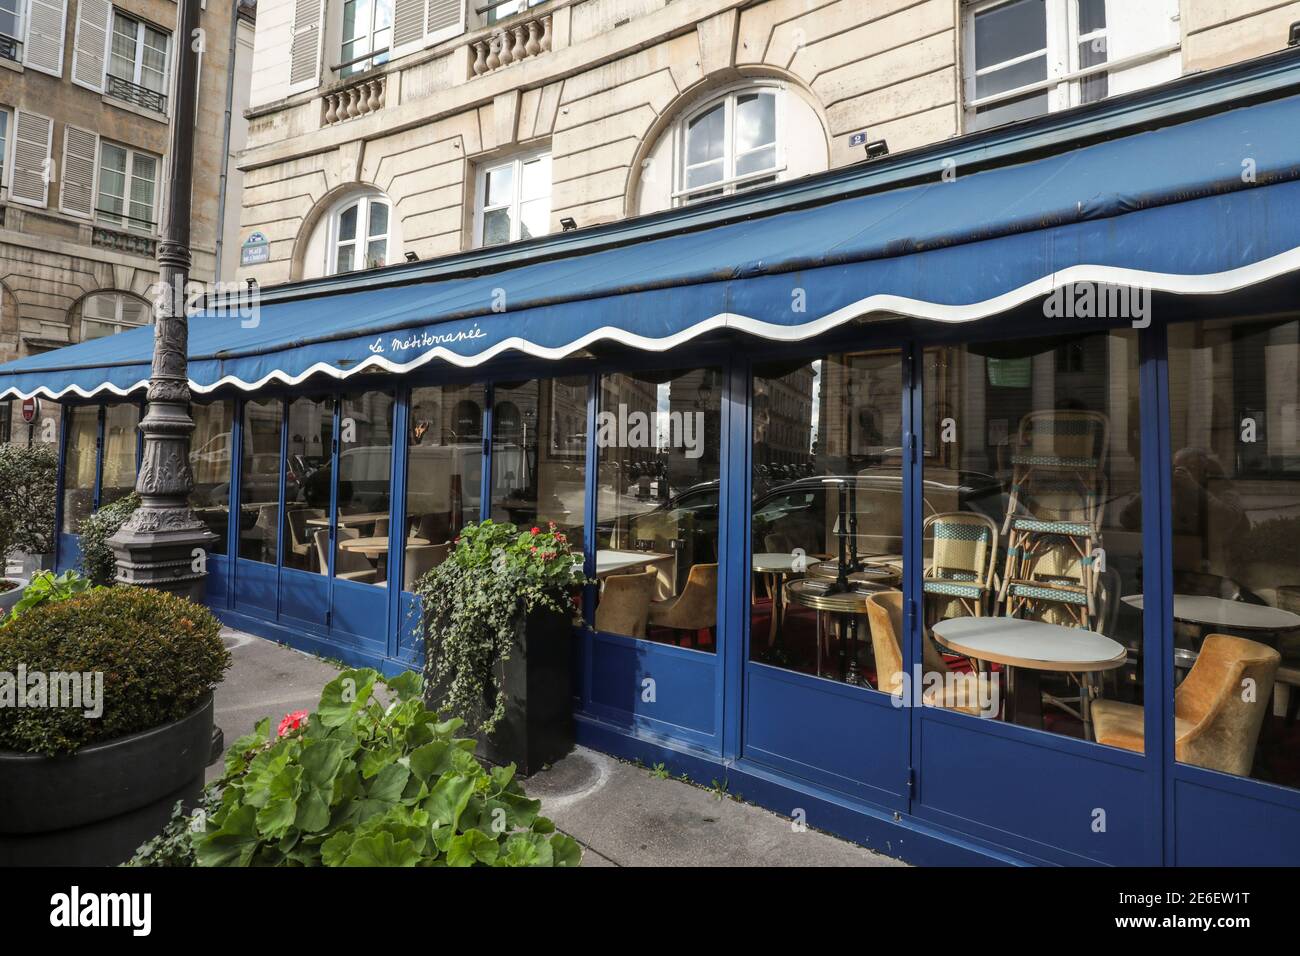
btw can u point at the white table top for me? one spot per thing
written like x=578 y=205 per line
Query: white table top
x=346 y=521
x=1218 y=612
x=1032 y=644
x=608 y=561
x=776 y=562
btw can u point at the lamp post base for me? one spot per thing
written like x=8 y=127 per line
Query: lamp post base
x=167 y=550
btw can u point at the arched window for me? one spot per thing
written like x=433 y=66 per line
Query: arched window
x=360 y=235
x=738 y=139
x=730 y=144
x=107 y=313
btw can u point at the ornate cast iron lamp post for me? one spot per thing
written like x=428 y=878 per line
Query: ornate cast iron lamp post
x=163 y=544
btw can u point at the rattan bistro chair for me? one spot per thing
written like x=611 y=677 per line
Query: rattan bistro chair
x=963 y=555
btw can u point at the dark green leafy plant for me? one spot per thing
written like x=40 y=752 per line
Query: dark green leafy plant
x=45 y=588
x=28 y=477
x=97 y=558
x=359 y=783
x=159 y=655
x=174 y=846
x=472 y=603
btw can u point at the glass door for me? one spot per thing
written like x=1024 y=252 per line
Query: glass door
x=306 y=530
x=827 y=519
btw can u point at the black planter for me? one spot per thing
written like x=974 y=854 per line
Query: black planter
x=94 y=807
x=537 y=728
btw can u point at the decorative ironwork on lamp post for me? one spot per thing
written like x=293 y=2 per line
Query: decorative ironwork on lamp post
x=163 y=544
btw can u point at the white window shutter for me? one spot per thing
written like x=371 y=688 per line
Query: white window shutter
x=43 y=48
x=408 y=26
x=446 y=20
x=77 y=173
x=90 y=43
x=305 y=49
x=33 y=166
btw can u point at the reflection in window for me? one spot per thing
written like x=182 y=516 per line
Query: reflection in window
x=121 y=438
x=259 y=480
x=1033 y=522
x=657 y=505
x=360 y=236
x=730 y=145
x=210 y=463
x=539 y=454
x=307 y=484
x=365 y=470
x=827 y=484
x=514 y=200
x=444 y=471
x=79 y=465
x=1234 y=404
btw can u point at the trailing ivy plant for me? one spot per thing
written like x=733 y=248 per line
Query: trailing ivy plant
x=97 y=558
x=472 y=603
x=361 y=782
x=28 y=476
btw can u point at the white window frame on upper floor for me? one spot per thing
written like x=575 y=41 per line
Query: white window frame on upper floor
x=517 y=161
x=20 y=27
x=730 y=183
x=359 y=63
x=141 y=26
x=6 y=150
x=1066 y=77
x=119 y=323
x=359 y=242
x=126 y=219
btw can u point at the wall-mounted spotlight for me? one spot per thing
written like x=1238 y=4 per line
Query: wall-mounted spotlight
x=252 y=283
x=877 y=148
x=1293 y=38
x=568 y=224
x=412 y=257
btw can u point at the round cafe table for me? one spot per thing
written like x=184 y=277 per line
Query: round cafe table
x=848 y=607
x=775 y=566
x=377 y=547
x=1029 y=648
x=1227 y=615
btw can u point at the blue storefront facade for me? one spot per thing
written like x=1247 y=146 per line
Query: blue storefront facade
x=1047 y=374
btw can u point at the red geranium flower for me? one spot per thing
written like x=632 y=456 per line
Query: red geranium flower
x=292 y=721
x=537 y=531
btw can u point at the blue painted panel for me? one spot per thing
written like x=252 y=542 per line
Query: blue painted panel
x=1216 y=827
x=69 y=557
x=304 y=597
x=1036 y=797
x=685 y=685
x=848 y=738
x=215 y=587
x=255 y=588
x=360 y=613
x=407 y=637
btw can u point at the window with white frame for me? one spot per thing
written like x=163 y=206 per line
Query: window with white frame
x=513 y=200
x=128 y=188
x=107 y=313
x=730 y=144
x=4 y=147
x=359 y=235
x=367 y=35
x=494 y=11
x=137 y=55
x=1029 y=57
x=11 y=29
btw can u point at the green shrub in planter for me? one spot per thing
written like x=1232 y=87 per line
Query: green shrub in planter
x=28 y=477
x=46 y=588
x=160 y=656
x=359 y=783
x=97 y=558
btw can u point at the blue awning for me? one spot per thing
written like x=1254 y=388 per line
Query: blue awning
x=1207 y=206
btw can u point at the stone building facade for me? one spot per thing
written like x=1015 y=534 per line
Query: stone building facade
x=381 y=129
x=85 y=111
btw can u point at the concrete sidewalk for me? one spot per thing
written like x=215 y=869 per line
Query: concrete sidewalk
x=623 y=815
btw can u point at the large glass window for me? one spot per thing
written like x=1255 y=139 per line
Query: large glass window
x=1234 y=409
x=128 y=186
x=210 y=463
x=138 y=54
x=259 y=480
x=658 y=435
x=108 y=313
x=307 y=484
x=79 y=465
x=360 y=235
x=539 y=454
x=828 y=495
x=121 y=441
x=11 y=20
x=444 y=469
x=365 y=480
x=1033 y=525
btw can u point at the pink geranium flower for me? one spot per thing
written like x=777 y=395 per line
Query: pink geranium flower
x=293 y=721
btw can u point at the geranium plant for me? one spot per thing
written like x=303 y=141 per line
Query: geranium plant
x=365 y=782
x=473 y=603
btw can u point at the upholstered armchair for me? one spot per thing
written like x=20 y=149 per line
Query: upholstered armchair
x=625 y=603
x=696 y=608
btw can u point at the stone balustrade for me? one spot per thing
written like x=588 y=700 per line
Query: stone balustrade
x=511 y=44
x=359 y=99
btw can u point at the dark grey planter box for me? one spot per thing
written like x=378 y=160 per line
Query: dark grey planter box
x=11 y=597
x=94 y=807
